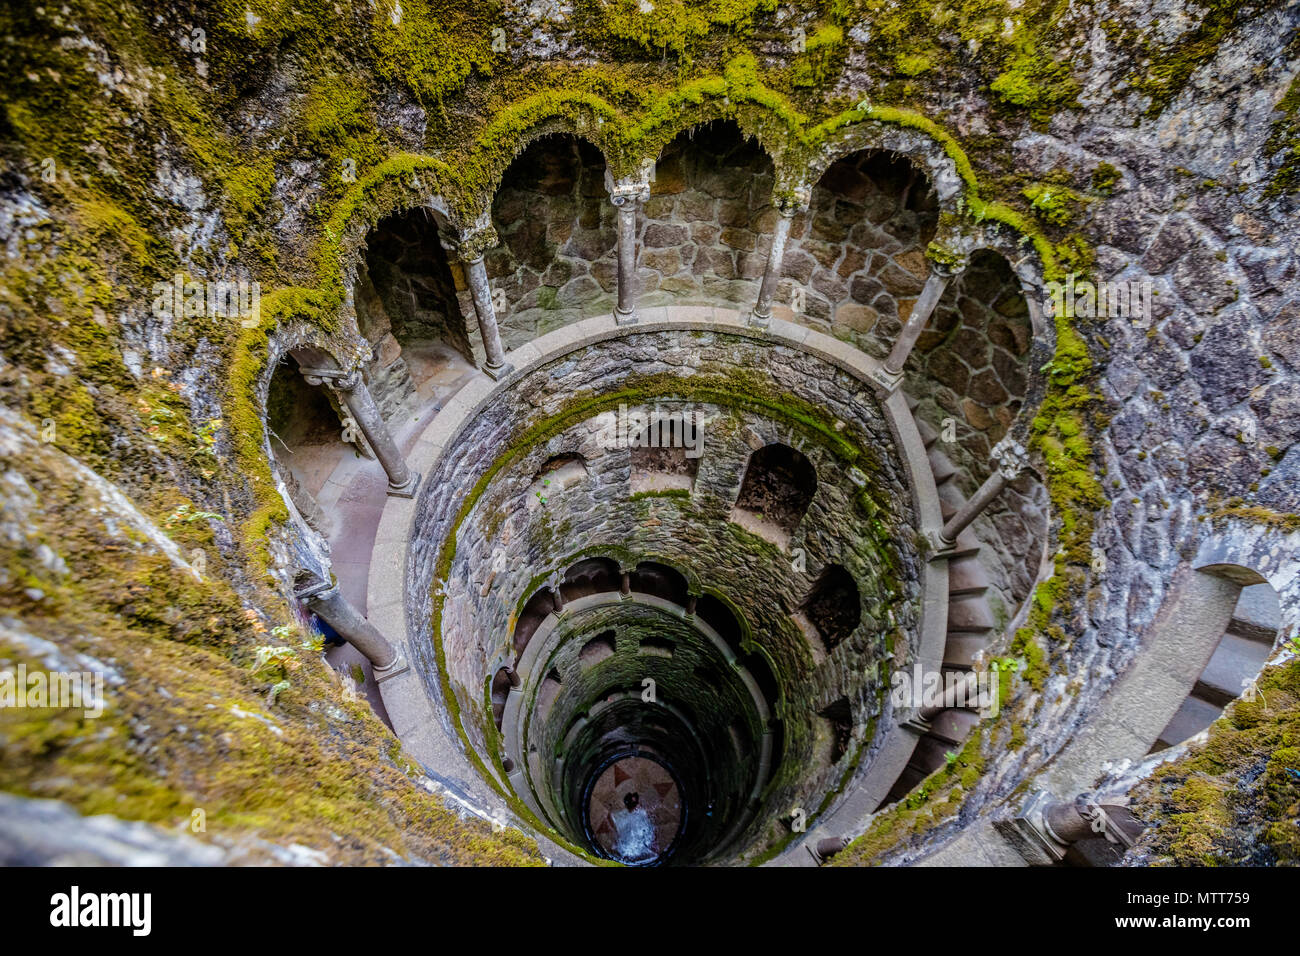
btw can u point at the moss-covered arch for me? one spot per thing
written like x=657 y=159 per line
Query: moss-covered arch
x=915 y=147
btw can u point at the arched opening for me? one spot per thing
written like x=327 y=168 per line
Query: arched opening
x=1238 y=657
x=547 y=693
x=708 y=219
x=713 y=612
x=590 y=576
x=408 y=310
x=971 y=360
x=305 y=425
x=500 y=691
x=530 y=618
x=556 y=262
x=661 y=581
x=858 y=256
x=665 y=456
x=778 y=487
x=599 y=648
x=557 y=474
x=836 y=730
x=833 y=606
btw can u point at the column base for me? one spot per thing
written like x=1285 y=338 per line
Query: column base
x=1029 y=835
x=625 y=318
x=940 y=549
x=758 y=320
x=407 y=489
x=399 y=666
x=887 y=379
x=498 y=372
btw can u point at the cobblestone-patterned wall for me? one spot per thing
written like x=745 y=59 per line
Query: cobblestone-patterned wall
x=857 y=255
x=556 y=262
x=705 y=230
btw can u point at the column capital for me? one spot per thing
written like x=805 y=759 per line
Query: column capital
x=945 y=262
x=469 y=246
x=338 y=378
x=628 y=192
x=790 y=204
x=315 y=587
x=1010 y=457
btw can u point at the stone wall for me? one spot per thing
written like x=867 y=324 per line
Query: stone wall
x=857 y=254
x=556 y=262
x=703 y=234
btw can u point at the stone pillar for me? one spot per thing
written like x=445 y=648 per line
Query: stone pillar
x=891 y=373
x=1011 y=459
x=625 y=584
x=469 y=249
x=1045 y=828
x=788 y=209
x=351 y=389
x=691 y=601
x=627 y=196
x=325 y=600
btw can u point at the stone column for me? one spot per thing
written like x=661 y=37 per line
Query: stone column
x=941 y=274
x=625 y=584
x=351 y=389
x=788 y=209
x=325 y=600
x=469 y=249
x=692 y=600
x=827 y=847
x=627 y=195
x=1045 y=828
x=1010 y=459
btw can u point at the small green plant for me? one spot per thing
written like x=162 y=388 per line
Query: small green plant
x=274 y=660
x=184 y=514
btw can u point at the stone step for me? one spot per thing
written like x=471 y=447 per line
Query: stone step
x=962 y=647
x=967 y=576
x=1192 y=717
x=928 y=434
x=953 y=726
x=1258 y=614
x=969 y=613
x=941 y=466
x=1236 y=659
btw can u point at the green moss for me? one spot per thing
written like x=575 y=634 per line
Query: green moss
x=668 y=26
x=1104 y=178
x=1236 y=799
x=1284 y=138
x=1036 y=83
x=664 y=493
x=434 y=46
x=936 y=798
x=1054 y=204
x=913 y=64
x=1166 y=67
